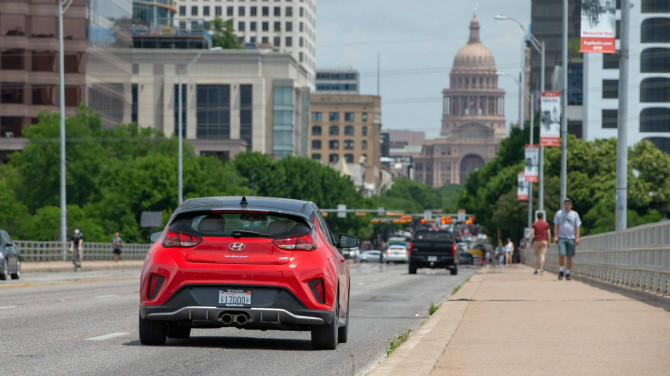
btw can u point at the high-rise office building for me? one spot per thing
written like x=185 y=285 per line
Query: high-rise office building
x=337 y=81
x=29 y=70
x=285 y=25
x=648 y=94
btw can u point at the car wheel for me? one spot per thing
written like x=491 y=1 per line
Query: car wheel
x=17 y=274
x=152 y=332
x=4 y=274
x=412 y=269
x=343 y=331
x=454 y=270
x=325 y=337
x=363 y=262
x=178 y=332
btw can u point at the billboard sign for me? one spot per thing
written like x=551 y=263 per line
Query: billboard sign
x=531 y=165
x=598 y=26
x=550 y=118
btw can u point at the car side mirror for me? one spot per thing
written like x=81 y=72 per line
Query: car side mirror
x=347 y=242
x=155 y=236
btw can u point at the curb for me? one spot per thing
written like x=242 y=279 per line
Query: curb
x=63 y=266
x=422 y=351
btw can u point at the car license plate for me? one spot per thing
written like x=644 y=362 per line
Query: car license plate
x=235 y=298
x=432 y=258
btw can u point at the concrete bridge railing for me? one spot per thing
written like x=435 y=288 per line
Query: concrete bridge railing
x=638 y=258
x=58 y=251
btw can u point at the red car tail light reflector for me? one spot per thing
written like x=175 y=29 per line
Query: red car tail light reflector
x=317 y=288
x=295 y=243
x=453 y=248
x=411 y=248
x=177 y=239
x=155 y=283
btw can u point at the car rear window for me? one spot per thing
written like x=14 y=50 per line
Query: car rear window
x=434 y=235
x=245 y=224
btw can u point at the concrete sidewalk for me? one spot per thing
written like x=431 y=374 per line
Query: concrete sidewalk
x=507 y=321
x=52 y=266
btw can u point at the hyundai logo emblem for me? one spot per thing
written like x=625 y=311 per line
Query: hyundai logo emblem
x=237 y=247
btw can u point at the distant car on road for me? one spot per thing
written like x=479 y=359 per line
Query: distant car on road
x=351 y=253
x=369 y=256
x=396 y=254
x=10 y=258
x=250 y=263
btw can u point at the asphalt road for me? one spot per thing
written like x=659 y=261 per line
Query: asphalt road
x=86 y=324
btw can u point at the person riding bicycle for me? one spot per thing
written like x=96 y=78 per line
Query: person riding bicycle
x=77 y=246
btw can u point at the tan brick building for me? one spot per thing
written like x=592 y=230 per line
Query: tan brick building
x=347 y=127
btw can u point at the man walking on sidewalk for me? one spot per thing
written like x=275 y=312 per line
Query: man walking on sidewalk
x=566 y=234
x=540 y=233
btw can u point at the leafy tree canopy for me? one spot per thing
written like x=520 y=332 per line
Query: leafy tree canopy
x=223 y=34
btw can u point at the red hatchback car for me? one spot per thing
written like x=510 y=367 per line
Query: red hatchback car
x=251 y=263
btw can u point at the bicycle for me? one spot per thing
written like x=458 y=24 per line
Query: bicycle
x=76 y=261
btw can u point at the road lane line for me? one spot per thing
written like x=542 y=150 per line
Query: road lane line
x=8 y=307
x=69 y=282
x=108 y=336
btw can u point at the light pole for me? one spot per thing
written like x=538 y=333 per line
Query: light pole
x=564 y=108
x=530 y=97
x=180 y=153
x=63 y=6
x=539 y=47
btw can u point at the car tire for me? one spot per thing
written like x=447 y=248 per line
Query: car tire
x=324 y=337
x=412 y=268
x=178 y=332
x=363 y=262
x=343 y=331
x=454 y=270
x=17 y=275
x=152 y=332
x=4 y=274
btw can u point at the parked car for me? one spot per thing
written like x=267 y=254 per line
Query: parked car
x=249 y=263
x=396 y=254
x=370 y=256
x=351 y=253
x=10 y=258
x=465 y=258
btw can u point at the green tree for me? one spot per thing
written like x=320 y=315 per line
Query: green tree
x=223 y=33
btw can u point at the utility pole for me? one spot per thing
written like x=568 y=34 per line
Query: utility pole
x=63 y=6
x=564 y=107
x=522 y=83
x=622 y=127
x=530 y=184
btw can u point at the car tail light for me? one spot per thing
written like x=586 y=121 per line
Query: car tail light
x=295 y=243
x=453 y=248
x=318 y=290
x=411 y=248
x=177 y=239
x=155 y=283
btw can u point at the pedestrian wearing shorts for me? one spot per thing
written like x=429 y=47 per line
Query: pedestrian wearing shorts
x=566 y=234
x=540 y=233
x=117 y=242
x=509 y=248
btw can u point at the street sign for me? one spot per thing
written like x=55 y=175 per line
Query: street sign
x=427 y=214
x=341 y=211
x=380 y=211
x=460 y=215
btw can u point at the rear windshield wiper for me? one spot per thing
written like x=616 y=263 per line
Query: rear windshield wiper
x=240 y=233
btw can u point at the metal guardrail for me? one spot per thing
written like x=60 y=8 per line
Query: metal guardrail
x=638 y=258
x=58 y=251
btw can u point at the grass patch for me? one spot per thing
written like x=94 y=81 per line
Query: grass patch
x=433 y=308
x=455 y=290
x=395 y=342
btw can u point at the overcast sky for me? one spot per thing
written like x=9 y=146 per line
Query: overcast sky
x=417 y=41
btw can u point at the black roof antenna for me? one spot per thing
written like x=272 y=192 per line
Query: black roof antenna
x=244 y=202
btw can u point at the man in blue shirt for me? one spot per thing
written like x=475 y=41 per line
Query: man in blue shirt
x=566 y=234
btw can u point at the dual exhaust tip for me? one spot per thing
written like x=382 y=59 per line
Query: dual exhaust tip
x=238 y=318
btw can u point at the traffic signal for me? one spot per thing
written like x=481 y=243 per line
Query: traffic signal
x=445 y=220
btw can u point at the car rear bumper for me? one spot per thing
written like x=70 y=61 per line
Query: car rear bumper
x=271 y=308
x=441 y=261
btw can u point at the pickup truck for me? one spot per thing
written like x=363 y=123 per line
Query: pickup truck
x=433 y=249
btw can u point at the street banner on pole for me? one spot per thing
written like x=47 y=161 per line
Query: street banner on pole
x=522 y=187
x=598 y=26
x=550 y=118
x=532 y=161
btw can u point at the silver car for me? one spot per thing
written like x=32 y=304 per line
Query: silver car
x=396 y=254
x=370 y=256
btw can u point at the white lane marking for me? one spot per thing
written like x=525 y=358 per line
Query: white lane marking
x=108 y=336
x=104 y=296
x=9 y=307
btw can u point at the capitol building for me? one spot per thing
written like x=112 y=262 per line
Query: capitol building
x=473 y=118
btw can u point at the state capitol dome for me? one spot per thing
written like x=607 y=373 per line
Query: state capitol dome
x=474 y=55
